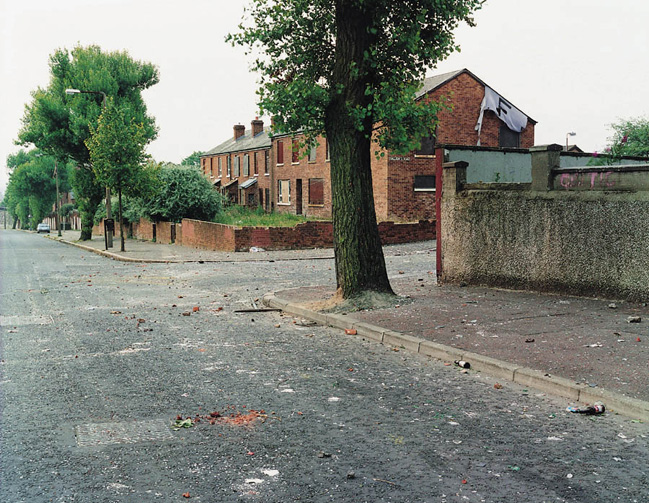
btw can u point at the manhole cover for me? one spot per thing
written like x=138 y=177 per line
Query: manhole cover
x=122 y=433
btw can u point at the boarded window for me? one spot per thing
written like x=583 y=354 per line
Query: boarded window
x=280 y=152
x=328 y=154
x=229 y=166
x=427 y=146
x=295 y=151
x=246 y=165
x=237 y=166
x=266 y=162
x=220 y=166
x=255 y=163
x=312 y=153
x=283 y=192
x=508 y=138
x=424 y=183
x=316 y=191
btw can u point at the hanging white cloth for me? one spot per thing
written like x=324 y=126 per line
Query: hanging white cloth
x=506 y=112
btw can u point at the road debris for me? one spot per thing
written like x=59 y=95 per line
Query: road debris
x=634 y=319
x=590 y=410
x=351 y=331
x=462 y=364
x=230 y=415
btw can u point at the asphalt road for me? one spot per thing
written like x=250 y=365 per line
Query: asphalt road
x=99 y=358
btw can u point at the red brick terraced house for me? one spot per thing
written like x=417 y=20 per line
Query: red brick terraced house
x=297 y=180
x=240 y=167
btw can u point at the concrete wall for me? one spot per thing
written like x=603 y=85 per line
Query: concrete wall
x=589 y=239
x=489 y=165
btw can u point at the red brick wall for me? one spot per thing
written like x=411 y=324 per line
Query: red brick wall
x=313 y=234
x=380 y=184
x=206 y=235
x=144 y=230
x=457 y=126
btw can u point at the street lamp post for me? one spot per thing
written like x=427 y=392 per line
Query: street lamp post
x=58 y=201
x=108 y=233
x=572 y=133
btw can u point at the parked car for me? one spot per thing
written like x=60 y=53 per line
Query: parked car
x=43 y=228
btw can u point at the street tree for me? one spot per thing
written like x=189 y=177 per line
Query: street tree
x=117 y=154
x=59 y=124
x=31 y=191
x=349 y=69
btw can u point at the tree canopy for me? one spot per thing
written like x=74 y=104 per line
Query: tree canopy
x=350 y=69
x=31 y=191
x=193 y=159
x=181 y=193
x=630 y=137
x=59 y=124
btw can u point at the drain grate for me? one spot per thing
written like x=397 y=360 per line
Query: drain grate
x=122 y=433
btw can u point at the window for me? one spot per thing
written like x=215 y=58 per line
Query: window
x=313 y=152
x=255 y=162
x=424 y=183
x=508 y=138
x=237 y=166
x=283 y=192
x=316 y=191
x=229 y=166
x=266 y=156
x=280 y=152
x=220 y=165
x=295 y=151
x=328 y=153
x=246 y=165
x=427 y=146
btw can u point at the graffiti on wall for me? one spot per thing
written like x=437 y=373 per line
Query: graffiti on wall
x=586 y=180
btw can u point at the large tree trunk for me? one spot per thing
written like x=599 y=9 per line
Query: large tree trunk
x=360 y=265
x=87 y=210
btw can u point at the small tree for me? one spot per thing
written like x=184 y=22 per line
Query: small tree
x=350 y=69
x=182 y=193
x=630 y=137
x=117 y=153
x=193 y=159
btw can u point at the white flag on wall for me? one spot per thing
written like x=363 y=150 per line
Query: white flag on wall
x=506 y=112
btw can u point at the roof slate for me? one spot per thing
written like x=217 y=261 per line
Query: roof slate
x=244 y=143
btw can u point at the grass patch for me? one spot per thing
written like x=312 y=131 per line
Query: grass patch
x=245 y=217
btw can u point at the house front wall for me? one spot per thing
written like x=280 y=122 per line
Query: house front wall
x=232 y=166
x=302 y=182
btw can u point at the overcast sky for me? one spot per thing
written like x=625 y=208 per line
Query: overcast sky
x=572 y=65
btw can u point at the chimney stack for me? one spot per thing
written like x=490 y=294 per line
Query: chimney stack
x=257 y=126
x=239 y=131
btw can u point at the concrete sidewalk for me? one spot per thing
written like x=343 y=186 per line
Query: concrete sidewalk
x=582 y=349
x=150 y=252
x=585 y=350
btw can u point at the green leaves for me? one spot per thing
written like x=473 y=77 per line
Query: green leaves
x=59 y=124
x=297 y=40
